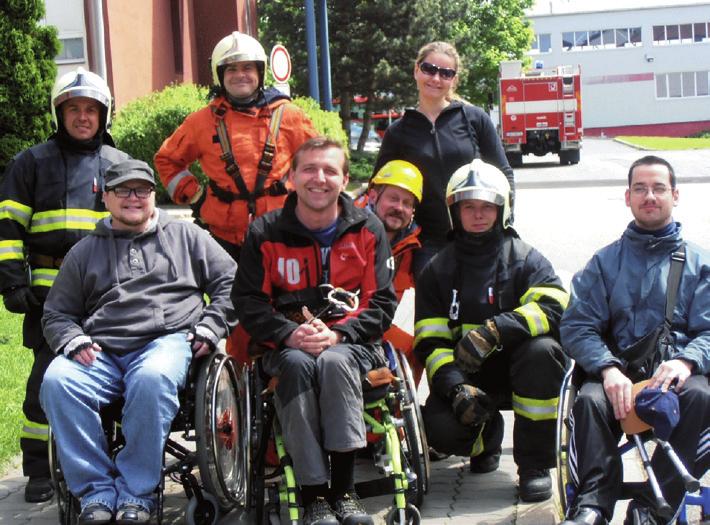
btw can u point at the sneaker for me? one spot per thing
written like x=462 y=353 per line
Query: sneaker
x=95 y=514
x=586 y=516
x=39 y=489
x=534 y=485
x=486 y=462
x=638 y=514
x=132 y=514
x=350 y=511
x=319 y=513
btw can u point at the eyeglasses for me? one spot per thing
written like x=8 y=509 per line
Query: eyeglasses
x=431 y=70
x=123 y=193
x=642 y=191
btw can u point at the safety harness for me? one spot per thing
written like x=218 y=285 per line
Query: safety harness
x=263 y=168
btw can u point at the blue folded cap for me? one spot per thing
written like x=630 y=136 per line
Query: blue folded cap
x=658 y=409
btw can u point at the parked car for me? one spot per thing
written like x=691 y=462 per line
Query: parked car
x=373 y=139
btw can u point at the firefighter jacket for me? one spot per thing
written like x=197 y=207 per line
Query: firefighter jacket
x=498 y=277
x=50 y=199
x=403 y=246
x=621 y=294
x=281 y=260
x=197 y=138
x=461 y=133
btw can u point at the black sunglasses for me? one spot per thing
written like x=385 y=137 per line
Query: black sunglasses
x=431 y=70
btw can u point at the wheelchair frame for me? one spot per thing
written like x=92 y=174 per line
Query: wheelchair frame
x=207 y=416
x=401 y=451
x=566 y=486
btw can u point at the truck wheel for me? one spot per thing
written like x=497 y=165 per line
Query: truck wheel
x=569 y=156
x=515 y=159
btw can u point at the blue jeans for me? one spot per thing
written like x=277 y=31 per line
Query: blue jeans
x=72 y=395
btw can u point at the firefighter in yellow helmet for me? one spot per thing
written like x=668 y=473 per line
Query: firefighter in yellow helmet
x=244 y=140
x=50 y=198
x=488 y=308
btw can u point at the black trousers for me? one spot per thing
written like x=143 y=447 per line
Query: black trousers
x=533 y=370
x=33 y=440
x=596 y=466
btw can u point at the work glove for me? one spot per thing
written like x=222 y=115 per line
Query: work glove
x=476 y=346
x=471 y=405
x=20 y=300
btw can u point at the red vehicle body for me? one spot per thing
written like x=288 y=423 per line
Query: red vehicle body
x=540 y=112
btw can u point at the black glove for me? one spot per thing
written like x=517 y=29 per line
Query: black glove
x=199 y=339
x=20 y=300
x=476 y=346
x=471 y=405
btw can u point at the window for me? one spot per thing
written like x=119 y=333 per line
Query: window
x=622 y=37
x=685 y=84
x=72 y=50
x=608 y=38
x=581 y=39
x=635 y=36
x=542 y=43
x=688 y=33
x=601 y=38
x=595 y=38
x=567 y=41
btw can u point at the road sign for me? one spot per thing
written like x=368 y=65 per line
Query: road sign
x=280 y=64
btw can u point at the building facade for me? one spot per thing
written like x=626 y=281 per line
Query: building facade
x=645 y=65
x=142 y=46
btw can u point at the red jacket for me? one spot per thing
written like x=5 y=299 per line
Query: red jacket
x=280 y=259
x=196 y=139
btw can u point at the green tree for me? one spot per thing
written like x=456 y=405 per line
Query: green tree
x=27 y=72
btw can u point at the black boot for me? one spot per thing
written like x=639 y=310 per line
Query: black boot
x=586 y=516
x=39 y=489
x=486 y=462
x=534 y=485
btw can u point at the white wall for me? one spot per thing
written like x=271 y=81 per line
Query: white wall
x=68 y=17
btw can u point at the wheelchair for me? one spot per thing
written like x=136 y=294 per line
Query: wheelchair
x=396 y=440
x=695 y=494
x=208 y=416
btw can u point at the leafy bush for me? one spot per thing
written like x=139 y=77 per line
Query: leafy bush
x=142 y=125
x=27 y=70
x=361 y=165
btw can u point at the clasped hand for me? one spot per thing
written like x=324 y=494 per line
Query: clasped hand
x=312 y=337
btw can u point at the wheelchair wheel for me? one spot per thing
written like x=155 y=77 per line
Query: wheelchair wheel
x=67 y=505
x=407 y=516
x=415 y=446
x=259 y=436
x=202 y=513
x=219 y=442
x=562 y=438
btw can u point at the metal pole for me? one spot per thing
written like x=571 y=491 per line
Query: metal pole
x=325 y=56
x=312 y=52
x=98 y=47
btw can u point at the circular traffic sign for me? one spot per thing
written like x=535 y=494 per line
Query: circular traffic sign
x=280 y=63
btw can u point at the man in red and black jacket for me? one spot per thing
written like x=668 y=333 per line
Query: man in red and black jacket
x=291 y=258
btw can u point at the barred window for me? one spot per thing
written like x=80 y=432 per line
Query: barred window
x=684 y=84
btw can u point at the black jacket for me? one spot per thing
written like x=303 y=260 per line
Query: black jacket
x=461 y=133
x=503 y=279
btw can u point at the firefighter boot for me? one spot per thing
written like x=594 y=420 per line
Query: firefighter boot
x=39 y=489
x=534 y=485
x=586 y=516
x=486 y=462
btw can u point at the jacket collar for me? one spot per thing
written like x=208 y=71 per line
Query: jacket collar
x=348 y=217
x=647 y=242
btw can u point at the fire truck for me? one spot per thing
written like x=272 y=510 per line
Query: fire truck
x=540 y=112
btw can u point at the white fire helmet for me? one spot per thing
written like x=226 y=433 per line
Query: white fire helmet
x=237 y=47
x=81 y=83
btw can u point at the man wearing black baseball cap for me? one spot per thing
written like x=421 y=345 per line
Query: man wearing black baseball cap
x=126 y=314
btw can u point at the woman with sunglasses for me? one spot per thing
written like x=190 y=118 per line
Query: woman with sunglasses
x=441 y=134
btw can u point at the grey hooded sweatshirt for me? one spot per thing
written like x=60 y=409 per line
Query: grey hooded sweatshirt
x=124 y=289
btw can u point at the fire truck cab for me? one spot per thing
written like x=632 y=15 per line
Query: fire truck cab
x=540 y=112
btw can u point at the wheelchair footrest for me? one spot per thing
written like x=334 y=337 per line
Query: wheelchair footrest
x=375 y=487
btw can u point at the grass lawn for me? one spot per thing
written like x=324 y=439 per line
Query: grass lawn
x=666 y=143
x=15 y=364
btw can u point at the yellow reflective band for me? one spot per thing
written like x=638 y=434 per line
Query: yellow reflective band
x=432 y=327
x=43 y=276
x=535 y=317
x=535 y=409
x=32 y=430
x=437 y=359
x=69 y=219
x=11 y=251
x=477 y=448
x=536 y=292
x=459 y=331
x=15 y=211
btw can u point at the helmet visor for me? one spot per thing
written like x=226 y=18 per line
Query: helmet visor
x=87 y=92
x=481 y=194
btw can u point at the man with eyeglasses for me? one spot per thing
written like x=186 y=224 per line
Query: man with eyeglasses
x=125 y=316
x=50 y=198
x=619 y=298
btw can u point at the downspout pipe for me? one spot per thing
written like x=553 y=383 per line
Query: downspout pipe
x=97 y=42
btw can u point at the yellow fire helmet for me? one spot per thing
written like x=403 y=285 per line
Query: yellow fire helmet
x=481 y=181
x=402 y=174
x=237 y=47
x=81 y=83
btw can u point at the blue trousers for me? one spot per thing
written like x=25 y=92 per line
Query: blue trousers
x=72 y=395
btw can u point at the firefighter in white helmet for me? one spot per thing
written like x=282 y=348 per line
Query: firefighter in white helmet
x=244 y=140
x=488 y=308
x=49 y=199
